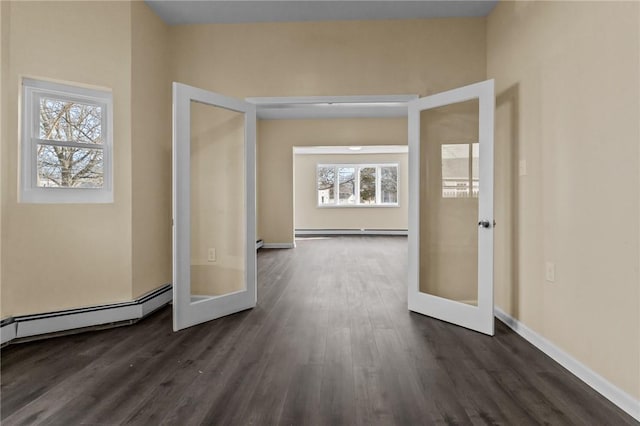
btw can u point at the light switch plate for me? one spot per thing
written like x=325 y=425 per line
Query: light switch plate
x=550 y=272
x=522 y=168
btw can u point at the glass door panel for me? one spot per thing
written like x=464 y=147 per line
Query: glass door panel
x=451 y=206
x=214 y=256
x=217 y=201
x=448 y=202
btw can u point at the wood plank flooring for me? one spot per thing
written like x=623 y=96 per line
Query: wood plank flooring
x=330 y=343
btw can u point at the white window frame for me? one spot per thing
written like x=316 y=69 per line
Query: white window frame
x=358 y=167
x=32 y=92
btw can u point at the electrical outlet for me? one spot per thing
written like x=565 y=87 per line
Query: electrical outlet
x=550 y=272
x=211 y=255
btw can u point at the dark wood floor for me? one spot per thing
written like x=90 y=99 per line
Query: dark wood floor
x=331 y=342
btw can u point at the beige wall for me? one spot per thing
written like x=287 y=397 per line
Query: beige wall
x=151 y=150
x=68 y=255
x=324 y=58
x=309 y=216
x=71 y=255
x=567 y=104
x=330 y=58
x=275 y=161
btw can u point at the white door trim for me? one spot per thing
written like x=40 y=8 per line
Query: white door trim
x=313 y=107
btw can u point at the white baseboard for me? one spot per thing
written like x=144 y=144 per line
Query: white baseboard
x=279 y=245
x=601 y=385
x=55 y=322
x=7 y=330
x=304 y=232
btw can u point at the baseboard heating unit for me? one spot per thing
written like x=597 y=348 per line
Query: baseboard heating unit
x=364 y=231
x=49 y=324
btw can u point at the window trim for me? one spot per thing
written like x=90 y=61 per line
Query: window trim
x=32 y=91
x=358 y=167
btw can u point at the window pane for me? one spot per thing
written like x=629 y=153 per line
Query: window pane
x=389 y=184
x=70 y=121
x=347 y=185
x=326 y=185
x=448 y=240
x=61 y=166
x=455 y=170
x=217 y=208
x=368 y=185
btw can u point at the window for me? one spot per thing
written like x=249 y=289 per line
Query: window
x=368 y=185
x=460 y=177
x=326 y=185
x=346 y=185
x=357 y=185
x=389 y=185
x=66 y=144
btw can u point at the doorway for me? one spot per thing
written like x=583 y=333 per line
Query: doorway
x=352 y=189
x=477 y=315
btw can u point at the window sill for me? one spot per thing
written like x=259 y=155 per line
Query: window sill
x=66 y=196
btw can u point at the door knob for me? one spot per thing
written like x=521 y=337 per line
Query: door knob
x=485 y=224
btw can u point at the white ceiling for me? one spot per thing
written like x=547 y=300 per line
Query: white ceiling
x=178 y=12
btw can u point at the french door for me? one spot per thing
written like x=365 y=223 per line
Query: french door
x=214 y=236
x=451 y=206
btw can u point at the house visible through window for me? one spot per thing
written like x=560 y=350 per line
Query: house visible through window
x=66 y=144
x=460 y=177
x=357 y=184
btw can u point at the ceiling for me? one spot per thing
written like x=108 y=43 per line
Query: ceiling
x=179 y=12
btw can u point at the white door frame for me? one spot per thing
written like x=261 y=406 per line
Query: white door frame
x=315 y=107
x=185 y=311
x=480 y=317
